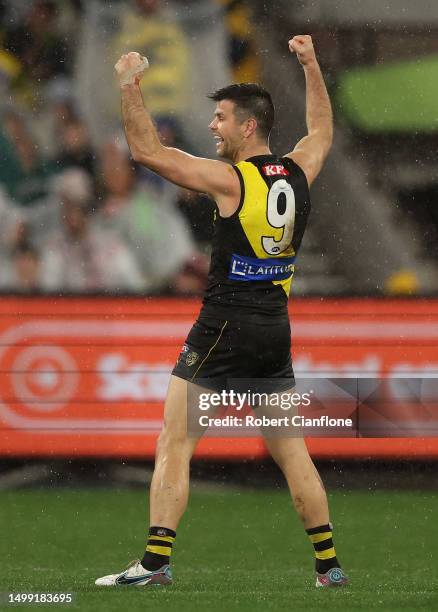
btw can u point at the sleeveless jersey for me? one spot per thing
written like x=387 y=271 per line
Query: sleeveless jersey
x=254 y=250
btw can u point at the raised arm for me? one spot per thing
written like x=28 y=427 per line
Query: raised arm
x=311 y=151
x=215 y=178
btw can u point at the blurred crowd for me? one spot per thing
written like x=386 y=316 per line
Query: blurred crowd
x=80 y=216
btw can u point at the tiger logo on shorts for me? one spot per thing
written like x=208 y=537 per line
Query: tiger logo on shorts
x=192 y=358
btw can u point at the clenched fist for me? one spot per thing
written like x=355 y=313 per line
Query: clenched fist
x=302 y=45
x=131 y=67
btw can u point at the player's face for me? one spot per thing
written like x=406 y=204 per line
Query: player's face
x=226 y=130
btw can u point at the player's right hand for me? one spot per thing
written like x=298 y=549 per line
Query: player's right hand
x=131 y=67
x=302 y=45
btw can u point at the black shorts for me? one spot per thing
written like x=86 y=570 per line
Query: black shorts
x=218 y=351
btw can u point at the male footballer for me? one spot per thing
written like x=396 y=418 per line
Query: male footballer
x=243 y=330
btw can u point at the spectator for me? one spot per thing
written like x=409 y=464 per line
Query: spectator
x=13 y=227
x=150 y=222
x=80 y=255
x=150 y=30
x=18 y=257
x=23 y=172
x=241 y=42
x=10 y=70
x=36 y=44
x=60 y=107
x=21 y=272
x=199 y=211
x=76 y=149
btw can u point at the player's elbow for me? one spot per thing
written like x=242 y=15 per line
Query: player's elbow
x=148 y=157
x=325 y=147
x=328 y=138
x=137 y=156
x=325 y=141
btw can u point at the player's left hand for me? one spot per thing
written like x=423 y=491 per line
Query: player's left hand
x=302 y=45
x=131 y=67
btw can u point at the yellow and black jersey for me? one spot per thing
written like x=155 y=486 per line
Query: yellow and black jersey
x=254 y=250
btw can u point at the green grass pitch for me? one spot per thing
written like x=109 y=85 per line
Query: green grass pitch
x=235 y=550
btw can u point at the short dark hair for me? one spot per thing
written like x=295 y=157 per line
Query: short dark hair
x=252 y=100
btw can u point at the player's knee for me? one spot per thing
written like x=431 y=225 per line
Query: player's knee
x=286 y=453
x=285 y=458
x=171 y=440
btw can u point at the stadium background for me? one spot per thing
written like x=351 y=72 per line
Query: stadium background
x=103 y=263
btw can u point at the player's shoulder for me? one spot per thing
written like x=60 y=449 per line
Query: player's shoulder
x=271 y=166
x=267 y=164
x=295 y=164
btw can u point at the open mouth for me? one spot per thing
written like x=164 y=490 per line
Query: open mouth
x=218 y=140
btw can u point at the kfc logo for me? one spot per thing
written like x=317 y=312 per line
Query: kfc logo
x=275 y=170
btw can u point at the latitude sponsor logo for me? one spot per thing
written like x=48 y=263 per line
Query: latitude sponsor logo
x=251 y=268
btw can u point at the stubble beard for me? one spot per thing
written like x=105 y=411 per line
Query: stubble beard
x=225 y=152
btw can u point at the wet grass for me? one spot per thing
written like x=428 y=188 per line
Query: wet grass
x=235 y=550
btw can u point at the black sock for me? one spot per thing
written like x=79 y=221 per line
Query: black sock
x=158 y=548
x=325 y=555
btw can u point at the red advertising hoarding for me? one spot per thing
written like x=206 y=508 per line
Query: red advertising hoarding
x=88 y=376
